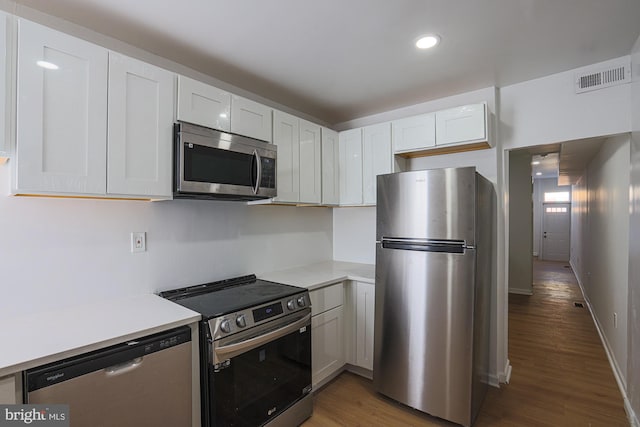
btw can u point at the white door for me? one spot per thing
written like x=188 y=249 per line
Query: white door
x=286 y=138
x=62 y=113
x=327 y=344
x=365 y=318
x=556 y=231
x=140 y=128
x=330 y=169
x=376 y=158
x=461 y=124
x=414 y=133
x=250 y=118
x=310 y=163
x=350 y=167
x=203 y=104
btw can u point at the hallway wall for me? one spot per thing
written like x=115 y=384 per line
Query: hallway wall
x=602 y=228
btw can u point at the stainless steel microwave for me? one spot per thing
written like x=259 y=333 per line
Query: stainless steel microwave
x=210 y=164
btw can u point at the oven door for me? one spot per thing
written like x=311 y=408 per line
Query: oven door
x=261 y=372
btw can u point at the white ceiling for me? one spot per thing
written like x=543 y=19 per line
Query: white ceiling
x=338 y=60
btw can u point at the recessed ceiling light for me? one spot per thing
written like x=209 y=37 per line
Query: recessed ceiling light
x=535 y=162
x=538 y=173
x=427 y=41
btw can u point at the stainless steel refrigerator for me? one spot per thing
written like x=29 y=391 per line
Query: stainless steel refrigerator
x=434 y=269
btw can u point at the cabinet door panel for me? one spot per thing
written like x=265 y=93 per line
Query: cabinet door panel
x=327 y=344
x=250 y=118
x=376 y=158
x=365 y=305
x=414 y=133
x=310 y=163
x=330 y=169
x=203 y=104
x=5 y=98
x=351 y=167
x=61 y=114
x=140 y=128
x=286 y=137
x=461 y=124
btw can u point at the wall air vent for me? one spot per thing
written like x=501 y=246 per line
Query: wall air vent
x=600 y=78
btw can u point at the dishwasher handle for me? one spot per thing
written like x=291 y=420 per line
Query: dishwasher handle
x=123 y=368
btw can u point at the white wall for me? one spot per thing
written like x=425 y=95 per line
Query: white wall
x=541 y=186
x=354 y=234
x=604 y=273
x=61 y=252
x=520 y=224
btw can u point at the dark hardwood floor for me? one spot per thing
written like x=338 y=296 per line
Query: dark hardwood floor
x=561 y=375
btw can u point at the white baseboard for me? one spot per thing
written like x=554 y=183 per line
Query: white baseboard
x=633 y=420
x=520 y=291
x=501 y=377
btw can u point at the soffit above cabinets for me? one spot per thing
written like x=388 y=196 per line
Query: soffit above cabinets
x=337 y=60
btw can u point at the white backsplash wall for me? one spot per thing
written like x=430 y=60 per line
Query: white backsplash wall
x=354 y=234
x=62 y=252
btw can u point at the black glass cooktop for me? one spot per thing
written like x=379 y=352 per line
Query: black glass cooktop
x=227 y=296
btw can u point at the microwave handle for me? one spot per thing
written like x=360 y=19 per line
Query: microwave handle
x=258 y=161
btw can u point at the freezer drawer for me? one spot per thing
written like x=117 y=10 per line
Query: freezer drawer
x=142 y=382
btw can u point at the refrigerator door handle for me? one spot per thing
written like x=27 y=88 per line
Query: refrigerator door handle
x=425 y=245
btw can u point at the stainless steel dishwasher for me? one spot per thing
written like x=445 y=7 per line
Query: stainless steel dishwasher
x=141 y=382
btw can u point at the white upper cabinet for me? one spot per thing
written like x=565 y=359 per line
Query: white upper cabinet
x=414 y=133
x=466 y=124
x=350 y=167
x=310 y=163
x=5 y=93
x=203 y=104
x=61 y=113
x=250 y=118
x=140 y=130
x=286 y=136
x=376 y=158
x=330 y=169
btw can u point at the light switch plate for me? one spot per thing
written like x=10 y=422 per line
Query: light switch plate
x=138 y=241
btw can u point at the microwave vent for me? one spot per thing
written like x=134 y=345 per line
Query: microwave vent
x=602 y=78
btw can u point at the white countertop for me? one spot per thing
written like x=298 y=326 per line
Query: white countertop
x=315 y=276
x=49 y=336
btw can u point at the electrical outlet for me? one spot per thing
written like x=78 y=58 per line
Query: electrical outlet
x=138 y=241
x=615 y=320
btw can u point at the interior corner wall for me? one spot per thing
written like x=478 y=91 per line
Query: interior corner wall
x=604 y=273
x=520 y=223
x=354 y=234
x=633 y=359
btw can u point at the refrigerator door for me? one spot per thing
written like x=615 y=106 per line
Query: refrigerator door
x=424 y=330
x=427 y=204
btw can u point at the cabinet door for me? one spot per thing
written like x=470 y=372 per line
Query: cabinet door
x=461 y=124
x=62 y=113
x=8 y=390
x=140 y=128
x=376 y=158
x=350 y=167
x=203 y=104
x=414 y=133
x=330 y=169
x=286 y=136
x=310 y=163
x=327 y=345
x=5 y=135
x=250 y=118
x=365 y=305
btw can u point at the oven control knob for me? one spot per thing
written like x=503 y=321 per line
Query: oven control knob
x=240 y=321
x=301 y=302
x=291 y=304
x=225 y=326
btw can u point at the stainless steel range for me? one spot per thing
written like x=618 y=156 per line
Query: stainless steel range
x=255 y=351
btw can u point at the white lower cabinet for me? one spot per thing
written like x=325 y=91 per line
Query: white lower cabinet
x=327 y=331
x=364 y=319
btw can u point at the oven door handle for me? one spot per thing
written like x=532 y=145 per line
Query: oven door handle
x=230 y=350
